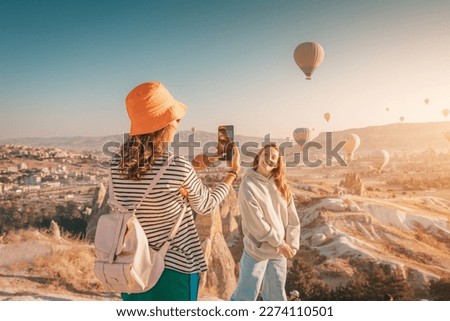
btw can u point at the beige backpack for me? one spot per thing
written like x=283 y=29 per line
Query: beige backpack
x=125 y=262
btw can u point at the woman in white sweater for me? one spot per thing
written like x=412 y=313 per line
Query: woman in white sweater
x=271 y=228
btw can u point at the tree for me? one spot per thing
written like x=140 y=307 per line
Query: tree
x=306 y=280
x=440 y=290
x=375 y=282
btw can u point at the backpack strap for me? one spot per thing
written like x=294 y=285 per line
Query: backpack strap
x=178 y=223
x=112 y=201
x=155 y=181
x=163 y=249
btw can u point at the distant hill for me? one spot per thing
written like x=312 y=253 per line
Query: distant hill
x=95 y=144
x=410 y=137
x=413 y=137
x=78 y=143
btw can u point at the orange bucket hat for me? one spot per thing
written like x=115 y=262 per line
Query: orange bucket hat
x=151 y=106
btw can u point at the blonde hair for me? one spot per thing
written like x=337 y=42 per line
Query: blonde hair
x=279 y=172
x=138 y=153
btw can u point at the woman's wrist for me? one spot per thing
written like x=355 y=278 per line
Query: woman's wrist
x=229 y=179
x=279 y=247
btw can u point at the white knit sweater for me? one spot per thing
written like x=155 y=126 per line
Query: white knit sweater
x=268 y=221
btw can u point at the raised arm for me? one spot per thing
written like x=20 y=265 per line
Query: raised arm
x=202 y=200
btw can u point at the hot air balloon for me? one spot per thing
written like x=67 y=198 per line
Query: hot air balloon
x=193 y=130
x=351 y=145
x=301 y=136
x=308 y=56
x=426 y=101
x=445 y=112
x=379 y=159
x=387 y=109
x=402 y=119
x=327 y=116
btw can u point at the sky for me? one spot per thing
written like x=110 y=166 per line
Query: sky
x=67 y=66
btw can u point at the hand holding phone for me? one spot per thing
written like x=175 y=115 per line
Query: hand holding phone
x=203 y=161
x=225 y=138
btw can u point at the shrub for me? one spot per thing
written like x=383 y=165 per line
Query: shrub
x=440 y=290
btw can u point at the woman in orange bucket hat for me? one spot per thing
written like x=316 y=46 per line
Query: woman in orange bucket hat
x=155 y=114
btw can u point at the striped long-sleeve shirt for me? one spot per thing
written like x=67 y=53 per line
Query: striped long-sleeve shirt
x=159 y=211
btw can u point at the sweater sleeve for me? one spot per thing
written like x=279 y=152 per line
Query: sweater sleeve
x=252 y=216
x=202 y=200
x=293 y=227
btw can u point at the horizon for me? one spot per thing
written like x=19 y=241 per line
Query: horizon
x=67 y=67
x=409 y=138
x=313 y=133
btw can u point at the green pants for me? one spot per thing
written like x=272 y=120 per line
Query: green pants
x=172 y=286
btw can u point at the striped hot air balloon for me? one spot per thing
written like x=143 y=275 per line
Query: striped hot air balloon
x=301 y=136
x=308 y=56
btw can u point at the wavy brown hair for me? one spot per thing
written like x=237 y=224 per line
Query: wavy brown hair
x=279 y=172
x=138 y=153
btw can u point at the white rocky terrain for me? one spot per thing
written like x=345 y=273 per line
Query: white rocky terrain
x=412 y=234
x=338 y=229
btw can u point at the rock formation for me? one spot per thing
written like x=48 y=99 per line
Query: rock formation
x=220 y=279
x=99 y=207
x=55 y=231
x=351 y=184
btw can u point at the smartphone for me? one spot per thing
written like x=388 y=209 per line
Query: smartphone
x=225 y=139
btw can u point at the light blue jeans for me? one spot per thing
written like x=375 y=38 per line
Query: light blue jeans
x=271 y=274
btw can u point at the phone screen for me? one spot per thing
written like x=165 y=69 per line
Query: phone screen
x=225 y=138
